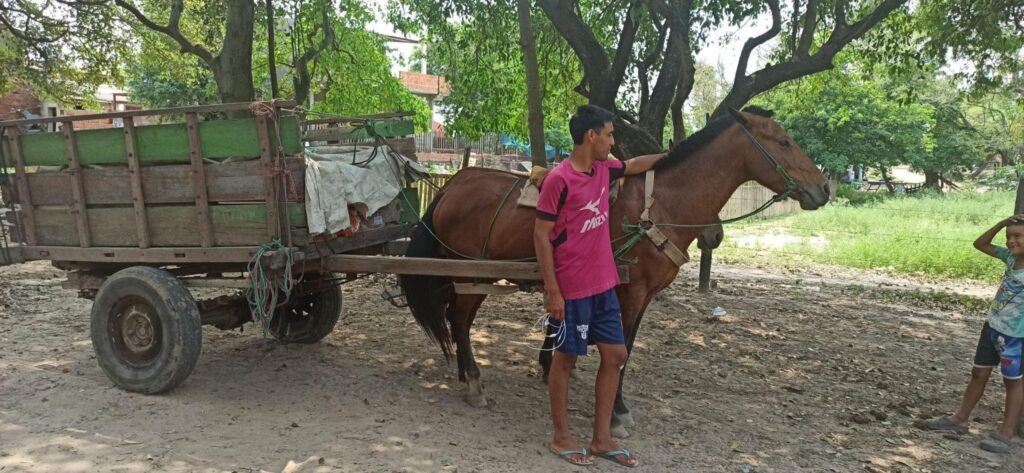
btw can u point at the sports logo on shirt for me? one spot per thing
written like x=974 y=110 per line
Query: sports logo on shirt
x=599 y=218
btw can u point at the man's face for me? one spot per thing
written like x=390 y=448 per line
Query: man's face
x=602 y=140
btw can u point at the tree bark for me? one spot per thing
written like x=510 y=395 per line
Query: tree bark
x=527 y=41
x=932 y=179
x=747 y=86
x=271 y=51
x=232 y=68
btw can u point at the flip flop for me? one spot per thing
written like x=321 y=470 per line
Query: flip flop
x=613 y=455
x=567 y=456
x=996 y=443
x=944 y=424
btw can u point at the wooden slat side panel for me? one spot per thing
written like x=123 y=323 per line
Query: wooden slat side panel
x=166 y=184
x=161 y=143
x=135 y=177
x=170 y=226
x=77 y=188
x=13 y=148
x=199 y=181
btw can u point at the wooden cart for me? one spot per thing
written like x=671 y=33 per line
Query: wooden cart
x=145 y=214
x=161 y=201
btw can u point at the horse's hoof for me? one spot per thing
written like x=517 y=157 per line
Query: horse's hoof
x=475 y=393
x=620 y=432
x=626 y=419
x=476 y=400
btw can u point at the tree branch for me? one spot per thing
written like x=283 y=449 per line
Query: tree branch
x=807 y=35
x=840 y=13
x=172 y=30
x=591 y=54
x=625 y=47
x=748 y=47
x=748 y=86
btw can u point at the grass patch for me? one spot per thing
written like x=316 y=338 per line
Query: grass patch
x=926 y=235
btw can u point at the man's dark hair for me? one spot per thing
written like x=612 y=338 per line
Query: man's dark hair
x=586 y=118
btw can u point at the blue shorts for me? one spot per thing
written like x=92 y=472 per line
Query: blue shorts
x=590 y=320
x=995 y=349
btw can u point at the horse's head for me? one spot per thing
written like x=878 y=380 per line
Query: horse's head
x=771 y=145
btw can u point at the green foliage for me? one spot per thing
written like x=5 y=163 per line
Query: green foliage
x=841 y=121
x=928 y=235
x=849 y=195
x=482 y=61
x=359 y=81
x=62 y=50
x=987 y=33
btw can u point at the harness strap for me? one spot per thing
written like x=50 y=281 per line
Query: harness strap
x=661 y=242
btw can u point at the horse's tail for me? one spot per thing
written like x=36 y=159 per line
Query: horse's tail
x=429 y=296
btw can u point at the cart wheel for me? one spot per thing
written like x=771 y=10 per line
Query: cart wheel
x=146 y=330
x=310 y=315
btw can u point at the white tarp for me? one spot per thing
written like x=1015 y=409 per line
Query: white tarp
x=367 y=178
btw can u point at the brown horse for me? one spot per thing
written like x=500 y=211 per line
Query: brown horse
x=691 y=185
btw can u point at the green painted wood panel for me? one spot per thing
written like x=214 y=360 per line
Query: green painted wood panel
x=165 y=143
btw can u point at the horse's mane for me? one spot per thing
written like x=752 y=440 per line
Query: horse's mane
x=696 y=141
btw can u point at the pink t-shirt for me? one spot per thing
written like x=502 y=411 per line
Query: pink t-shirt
x=578 y=204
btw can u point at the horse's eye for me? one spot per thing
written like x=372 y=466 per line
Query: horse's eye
x=784 y=143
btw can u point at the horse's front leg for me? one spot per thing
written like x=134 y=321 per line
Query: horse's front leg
x=633 y=300
x=460 y=315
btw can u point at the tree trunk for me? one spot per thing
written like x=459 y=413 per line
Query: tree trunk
x=1018 y=205
x=232 y=68
x=631 y=140
x=535 y=122
x=932 y=180
x=885 y=179
x=271 y=50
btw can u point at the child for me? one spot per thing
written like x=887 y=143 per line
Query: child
x=1000 y=342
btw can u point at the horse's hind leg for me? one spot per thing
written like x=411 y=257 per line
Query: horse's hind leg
x=460 y=315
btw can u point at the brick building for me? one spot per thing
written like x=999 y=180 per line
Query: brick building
x=23 y=100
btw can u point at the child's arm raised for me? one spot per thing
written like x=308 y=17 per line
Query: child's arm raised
x=984 y=242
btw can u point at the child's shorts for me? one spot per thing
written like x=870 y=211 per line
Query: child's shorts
x=995 y=349
x=590 y=320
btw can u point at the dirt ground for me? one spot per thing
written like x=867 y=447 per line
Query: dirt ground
x=807 y=372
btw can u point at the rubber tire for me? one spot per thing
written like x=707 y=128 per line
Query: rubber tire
x=181 y=329
x=327 y=306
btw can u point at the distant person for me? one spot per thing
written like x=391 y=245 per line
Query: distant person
x=1000 y=342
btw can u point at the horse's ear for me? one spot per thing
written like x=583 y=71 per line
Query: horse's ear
x=738 y=116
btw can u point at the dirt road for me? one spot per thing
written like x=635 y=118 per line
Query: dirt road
x=807 y=372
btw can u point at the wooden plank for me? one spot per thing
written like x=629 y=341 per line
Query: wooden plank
x=362 y=239
x=199 y=181
x=224 y=107
x=384 y=128
x=404 y=146
x=27 y=214
x=240 y=181
x=352 y=118
x=440 y=267
x=140 y=255
x=170 y=226
x=169 y=143
x=90 y=281
x=488 y=289
x=77 y=191
x=135 y=173
x=269 y=178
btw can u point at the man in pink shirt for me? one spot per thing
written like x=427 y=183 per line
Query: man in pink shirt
x=573 y=243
